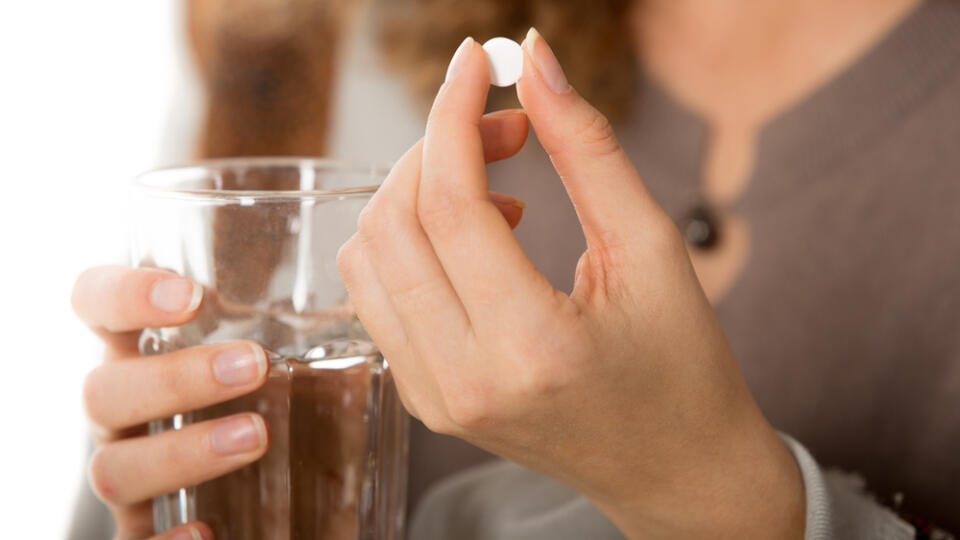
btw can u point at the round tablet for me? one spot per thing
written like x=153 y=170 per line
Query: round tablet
x=505 y=59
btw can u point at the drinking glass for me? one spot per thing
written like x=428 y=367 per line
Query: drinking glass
x=261 y=236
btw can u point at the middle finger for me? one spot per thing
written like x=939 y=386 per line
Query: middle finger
x=122 y=394
x=404 y=261
x=400 y=251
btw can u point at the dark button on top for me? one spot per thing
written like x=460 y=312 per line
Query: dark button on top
x=700 y=227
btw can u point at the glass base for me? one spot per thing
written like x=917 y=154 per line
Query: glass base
x=336 y=465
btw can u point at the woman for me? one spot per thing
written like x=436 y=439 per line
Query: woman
x=820 y=224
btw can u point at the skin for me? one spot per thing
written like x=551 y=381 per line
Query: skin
x=635 y=344
x=127 y=390
x=665 y=438
x=738 y=65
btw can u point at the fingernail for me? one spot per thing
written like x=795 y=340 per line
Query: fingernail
x=507 y=199
x=546 y=62
x=459 y=59
x=176 y=295
x=240 y=365
x=238 y=434
x=191 y=533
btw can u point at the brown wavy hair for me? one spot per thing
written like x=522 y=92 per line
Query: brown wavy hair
x=267 y=66
x=591 y=38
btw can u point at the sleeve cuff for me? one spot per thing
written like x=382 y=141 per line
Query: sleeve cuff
x=839 y=508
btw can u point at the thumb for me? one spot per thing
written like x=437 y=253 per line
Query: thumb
x=603 y=184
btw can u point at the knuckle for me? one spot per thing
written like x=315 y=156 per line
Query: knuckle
x=548 y=370
x=449 y=119
x=137 y=281
x=611 y=250
x=408 y=403
x=417 y=295
x=368 y=221
x=91 y=396
x=126 y=295
x=436 y=422
x=440 y=208
x=596 y=133
x=184 y=451
x=378 y=219
x=538 y=380
x=347 y=257
x=664 y=237
x=467 y=406
x=172 y=380
x=101 y=481
x=467 y=414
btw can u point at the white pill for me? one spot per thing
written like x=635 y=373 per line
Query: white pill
x=505 y=59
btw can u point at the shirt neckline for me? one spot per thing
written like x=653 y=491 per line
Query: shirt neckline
x=855 y=107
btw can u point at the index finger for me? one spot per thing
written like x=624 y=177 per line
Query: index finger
x=118 y=299
x=485 y=264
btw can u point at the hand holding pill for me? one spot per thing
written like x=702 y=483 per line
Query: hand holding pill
x=625 y=388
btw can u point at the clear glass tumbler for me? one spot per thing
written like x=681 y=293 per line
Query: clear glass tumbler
x=261 y=236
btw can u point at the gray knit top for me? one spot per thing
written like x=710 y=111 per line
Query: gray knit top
x=846 y=318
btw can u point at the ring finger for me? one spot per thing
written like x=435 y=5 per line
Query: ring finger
x=130 y=471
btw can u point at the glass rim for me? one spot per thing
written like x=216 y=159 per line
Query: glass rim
x=151 y=181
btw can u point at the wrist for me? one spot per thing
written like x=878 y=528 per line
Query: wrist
x=745 y=484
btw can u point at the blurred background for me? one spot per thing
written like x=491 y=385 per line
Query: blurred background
x=94 y=93
x=87 y=100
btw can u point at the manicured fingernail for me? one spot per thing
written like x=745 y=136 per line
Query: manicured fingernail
x=176 y=295
x=459 y=59
x=191 y=533
x=238 y=434
x=501 y=198
x=240 y=365
x=546 y=62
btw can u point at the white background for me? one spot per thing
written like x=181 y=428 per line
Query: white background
x=92 y=93
x=86 y=91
